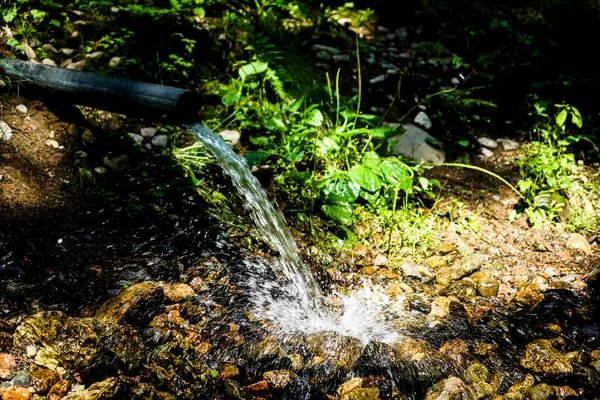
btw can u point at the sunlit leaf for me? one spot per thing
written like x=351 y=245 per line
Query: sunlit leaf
x=366 y=178
x=341 y=190
x=561 y=118
x=340 y=213
x=371 y=160
x=254 y=68
x=314 y=118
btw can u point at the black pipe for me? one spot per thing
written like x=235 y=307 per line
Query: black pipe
x=123 y=96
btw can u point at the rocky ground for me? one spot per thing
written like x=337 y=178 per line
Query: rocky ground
x=115 y=283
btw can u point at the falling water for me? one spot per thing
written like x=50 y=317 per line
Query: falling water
x=294 y=303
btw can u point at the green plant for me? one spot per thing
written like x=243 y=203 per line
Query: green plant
x=548 y=166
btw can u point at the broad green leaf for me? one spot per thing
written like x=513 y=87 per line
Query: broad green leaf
x=254 y=68
x=576 y=117
x=341 y=190
x=55 y=23
x=275 y=123
x=199 y=12
x=366 y=178
x=371 y=160
x=12 y=42
x=231 y=98
x=368 y=196
x=255 y=157
x=424 y=182
x=394 y=172
x=295 y=156
x=294 y=106
x=259 y=140
x=561 y=118
x=340 y=213
x=463 y=143
x=314 y=118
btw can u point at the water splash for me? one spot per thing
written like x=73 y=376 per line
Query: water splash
x=293 y=302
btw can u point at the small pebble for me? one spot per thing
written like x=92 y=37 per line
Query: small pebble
x=487 y=152
x=148 y=132
x=21 y=108
x=52 y=143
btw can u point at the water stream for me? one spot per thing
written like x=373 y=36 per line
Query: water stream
x=293 y=300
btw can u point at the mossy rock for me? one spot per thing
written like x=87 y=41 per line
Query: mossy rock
x=56 y=340
x=106 y=389
x=136 y=304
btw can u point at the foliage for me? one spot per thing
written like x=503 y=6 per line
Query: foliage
x=548 y=167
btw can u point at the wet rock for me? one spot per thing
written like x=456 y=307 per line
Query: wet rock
x=566 y=392
x=329 y=49
x=520 y=388
x=487 y=286
x=260 y=386
x=460 y=269
x=577 y=357
x=228 y=371
x=541 y=391
x=541 y=356
x=420 y=272
x=48 y=61
x=279 y=379
x=21 y=108
x=21 y=378
x=178 y=292
x=423 y=120
x=529 y=295
x=5 y=132
x=56 y=340
x=266 y=350
x=362 y=394
x=593 y=279
x=236 y=392
x=7 y=366
x=59 y=390
x=198 y=285
x=122 y=343
x=179 y=368
x=106 y=389
x=17 y=393
x=117 y=164
x=160 y=141
x=448 y=389
x=577 y=241
x=232 y=137
x=456 y=350
x=419 y=303
x=348 y=386
x=411 y=349
x=476 y=372
x=42 y=380
x=464 y=289
x=87 y=137
x=414 y=145
x=136 y=304
x=487 y=142
x=341 y=351
x=440 y=307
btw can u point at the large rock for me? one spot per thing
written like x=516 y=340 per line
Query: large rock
x=56 y=340
x=7 y=366
x=5 y=132
x=541 y=356
x=414 y=144
x=137 y=304
x=42 y=380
